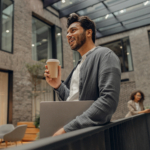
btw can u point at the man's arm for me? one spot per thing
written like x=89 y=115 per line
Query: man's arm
x=101 y=110
x=62 y=92
x=59 y=87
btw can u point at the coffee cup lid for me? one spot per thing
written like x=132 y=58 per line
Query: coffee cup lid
x=52 y=60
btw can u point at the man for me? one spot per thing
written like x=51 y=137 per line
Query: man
x=96 y=77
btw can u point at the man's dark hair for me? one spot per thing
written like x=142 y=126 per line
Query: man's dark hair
x=135 y=92
x=86 y=23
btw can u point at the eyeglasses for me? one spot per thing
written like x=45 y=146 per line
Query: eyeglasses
x=138 y=95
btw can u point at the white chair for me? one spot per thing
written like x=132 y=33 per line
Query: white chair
x=16 y=135
x=4 y=129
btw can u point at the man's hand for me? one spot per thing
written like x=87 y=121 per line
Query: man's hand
x=59 y=132
x=54 y=82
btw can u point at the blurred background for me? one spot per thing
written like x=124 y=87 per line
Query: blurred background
x=31 y=31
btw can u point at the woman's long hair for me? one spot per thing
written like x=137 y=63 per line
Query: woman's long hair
x=134 y=93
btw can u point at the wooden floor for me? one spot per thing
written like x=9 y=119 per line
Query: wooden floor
x=11 y=144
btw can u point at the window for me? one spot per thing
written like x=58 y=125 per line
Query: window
x=123 y=51
x=6 y=25
x=46 y=41
x=41 y=40
x=76 y=57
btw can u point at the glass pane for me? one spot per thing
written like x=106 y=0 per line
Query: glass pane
x=7 y=15
x=127 y=55
x=136 y=19
x=59 y=45
x=65 y=3
x=117 y=48
x=110 y=27
x=133 y=8
x=76 y=57
x=112 y=2
x=3 y=97
x=91 y=9
x=41 y=40
x=103 y=18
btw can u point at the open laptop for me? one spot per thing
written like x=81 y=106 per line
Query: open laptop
x=54 y=115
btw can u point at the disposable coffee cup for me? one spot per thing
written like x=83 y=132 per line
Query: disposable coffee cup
x=53 y=67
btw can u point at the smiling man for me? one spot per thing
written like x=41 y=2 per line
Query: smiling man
x=96 y=76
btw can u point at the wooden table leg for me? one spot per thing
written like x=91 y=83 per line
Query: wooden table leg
x=16 y=143
x=6 y=143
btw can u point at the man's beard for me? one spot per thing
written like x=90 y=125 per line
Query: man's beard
x=81 y=39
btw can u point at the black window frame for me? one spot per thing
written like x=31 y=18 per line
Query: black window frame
x=54 y=42
x=12 y=41
x=123 y=52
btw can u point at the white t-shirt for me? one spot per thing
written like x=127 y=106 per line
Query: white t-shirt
x=137 y=105
x=74 y=86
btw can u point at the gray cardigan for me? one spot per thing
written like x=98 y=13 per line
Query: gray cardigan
x=99 y=81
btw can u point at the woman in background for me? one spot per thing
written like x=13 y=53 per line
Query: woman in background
x=135 y=104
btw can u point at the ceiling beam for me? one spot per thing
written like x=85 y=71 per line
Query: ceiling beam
x=113 y=14
x=113 y=31
x=49 y=2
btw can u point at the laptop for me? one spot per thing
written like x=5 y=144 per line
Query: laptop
x=55 y=114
